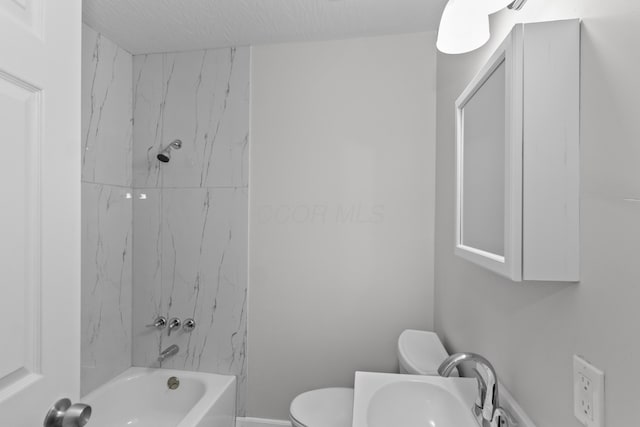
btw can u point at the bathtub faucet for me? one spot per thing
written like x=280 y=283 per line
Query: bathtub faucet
x=170 y=351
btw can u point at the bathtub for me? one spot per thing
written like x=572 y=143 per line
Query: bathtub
x=140 y=397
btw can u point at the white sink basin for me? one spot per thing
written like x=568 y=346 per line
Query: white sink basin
x=394 y=400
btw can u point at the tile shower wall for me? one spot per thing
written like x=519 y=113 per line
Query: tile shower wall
x=201 y=98
x=191 y=214
x=106 y=210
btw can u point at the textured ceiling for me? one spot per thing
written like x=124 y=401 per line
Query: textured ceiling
x=144 y=26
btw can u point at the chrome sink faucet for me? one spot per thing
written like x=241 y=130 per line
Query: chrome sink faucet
x=486 y=409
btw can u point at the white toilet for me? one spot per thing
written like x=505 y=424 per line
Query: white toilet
x=419 y=353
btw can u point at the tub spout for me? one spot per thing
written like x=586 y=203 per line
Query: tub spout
x=170 y=351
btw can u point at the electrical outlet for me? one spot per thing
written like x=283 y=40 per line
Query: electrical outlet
x=588 y=393
x=585 y=396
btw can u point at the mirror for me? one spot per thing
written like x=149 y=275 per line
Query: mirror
x=517 y=156
x=483 y=158
x=489 y=167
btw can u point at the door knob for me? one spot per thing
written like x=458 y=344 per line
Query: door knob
x=64 y=414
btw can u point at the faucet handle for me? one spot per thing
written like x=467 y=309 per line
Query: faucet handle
x=159 y=323
x=482 y=390
x=174 y=323
x=189 y=325
x=502 y=418
x=487 y=400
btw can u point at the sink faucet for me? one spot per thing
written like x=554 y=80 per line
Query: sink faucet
x=168 y=352
x=486 y=409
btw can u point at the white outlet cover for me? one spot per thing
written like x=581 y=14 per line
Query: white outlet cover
x=588 y=384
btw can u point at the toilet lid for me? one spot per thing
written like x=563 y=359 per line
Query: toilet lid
x=422 y=351
x=325 y=407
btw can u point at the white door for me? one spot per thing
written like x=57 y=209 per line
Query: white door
x=39 y=207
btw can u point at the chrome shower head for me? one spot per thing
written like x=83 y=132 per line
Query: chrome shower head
x=165 y=155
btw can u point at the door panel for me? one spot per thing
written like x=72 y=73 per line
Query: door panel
x=39 y=207
x=20 y=228
x=27 y=12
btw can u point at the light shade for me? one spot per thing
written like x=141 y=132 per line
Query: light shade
x=464 y=27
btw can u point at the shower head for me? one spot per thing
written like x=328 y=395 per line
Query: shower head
x=165 y=155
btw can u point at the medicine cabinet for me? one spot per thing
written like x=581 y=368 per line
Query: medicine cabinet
x=517 y=155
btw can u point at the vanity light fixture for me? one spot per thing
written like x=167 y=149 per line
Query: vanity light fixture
x=464 y=25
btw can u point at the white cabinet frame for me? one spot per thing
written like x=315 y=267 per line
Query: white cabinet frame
x=541 y=163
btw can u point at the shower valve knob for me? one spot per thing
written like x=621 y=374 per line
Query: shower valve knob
x=174 y=324
x=159 y=323
x=189 y=325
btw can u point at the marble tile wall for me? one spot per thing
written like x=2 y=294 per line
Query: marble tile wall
x=107 y=131
x=202 y=98
x=191 y=214
x=106 y=283
x=106 y=210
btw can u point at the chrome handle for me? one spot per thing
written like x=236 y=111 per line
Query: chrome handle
x=174 y=323
x=502 y=418
x=159 y=323
x=64 y=414
x=189 y=325
x=482 y=391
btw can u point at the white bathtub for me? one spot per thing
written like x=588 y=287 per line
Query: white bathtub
x=140 y=397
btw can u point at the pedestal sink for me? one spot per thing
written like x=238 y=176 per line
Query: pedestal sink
x=395 y=400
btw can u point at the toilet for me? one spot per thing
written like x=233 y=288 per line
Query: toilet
x=419 y=353
x=324 y=407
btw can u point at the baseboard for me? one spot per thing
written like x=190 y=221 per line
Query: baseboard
x=260 y=422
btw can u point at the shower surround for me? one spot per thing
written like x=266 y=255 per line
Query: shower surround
x=159 y=238
x=107 y=234
x=191 y=214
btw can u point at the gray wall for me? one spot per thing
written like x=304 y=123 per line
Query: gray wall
x=341 y=222
x=531 y=330
x=106 y=210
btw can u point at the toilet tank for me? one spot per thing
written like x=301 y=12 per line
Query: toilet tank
x=421 y=353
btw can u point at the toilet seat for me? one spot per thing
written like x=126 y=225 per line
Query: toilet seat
x=325 y=407
x=421 y=352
